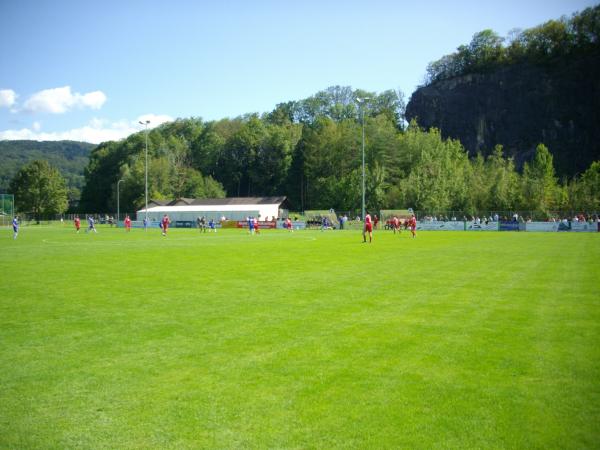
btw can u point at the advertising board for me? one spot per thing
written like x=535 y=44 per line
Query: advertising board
x=541 y=226
x=261 y=224
x=483 y=226
x=584 y=226
x=508 y=226
x=441 y=226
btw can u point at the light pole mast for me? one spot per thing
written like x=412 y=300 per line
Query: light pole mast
x=145 y=123
x=360 y=102
x=118 y=209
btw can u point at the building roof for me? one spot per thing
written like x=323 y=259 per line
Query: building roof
x=230 y=201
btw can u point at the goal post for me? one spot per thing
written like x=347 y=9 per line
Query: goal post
x=386 y=214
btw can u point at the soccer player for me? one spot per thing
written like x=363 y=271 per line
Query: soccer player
x=368 y=228
x=15 y=224
x=251 y=225
x=127 y=222
x=212 y=226
x=91 y=225
x=288 y=225
x=77 y=223
x=145 y=223
x=201 y=224
x=164 y=224
x=413 y=225
x=396 y=224
x=256 y=227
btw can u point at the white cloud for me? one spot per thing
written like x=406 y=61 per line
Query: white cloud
x=155 y=119
x=61 y=100
x=96 y=131
x=7 y=98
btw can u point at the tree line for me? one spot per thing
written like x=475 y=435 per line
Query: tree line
x=546 y=43
x=311 y=151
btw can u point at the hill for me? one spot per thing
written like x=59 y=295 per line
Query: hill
x=543 y=86
x=69 y=157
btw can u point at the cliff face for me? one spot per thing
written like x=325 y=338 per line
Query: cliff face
x=520 y=106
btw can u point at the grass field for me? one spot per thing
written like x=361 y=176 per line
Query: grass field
x=299 y=340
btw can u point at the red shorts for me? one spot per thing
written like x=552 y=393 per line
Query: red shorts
x=369 y=227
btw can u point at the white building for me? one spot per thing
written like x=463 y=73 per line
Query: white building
x=235 y=208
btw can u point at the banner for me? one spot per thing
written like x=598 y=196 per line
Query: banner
x=490 y=226
x=509 y=226
x=184 y=224
x=296 y=225
x=584 y=226
x=541 y=226
x=261 y=224
x=441 y=226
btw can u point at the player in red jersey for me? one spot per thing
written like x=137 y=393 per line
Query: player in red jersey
x=165 y=224
x=256 y=226
x=77 y=223
x=127 y=222
x=288 y=224
x=413 y=225
x=368 y=228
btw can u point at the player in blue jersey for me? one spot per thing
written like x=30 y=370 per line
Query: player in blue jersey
x=15 y=224
x=211 y=225
x=251 y=225
x=91 y=225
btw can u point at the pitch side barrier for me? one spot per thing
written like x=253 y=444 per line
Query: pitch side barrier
x=296 y=224
x=139 y=224
x=456 y=225
x=459 y=225
x=589 y=227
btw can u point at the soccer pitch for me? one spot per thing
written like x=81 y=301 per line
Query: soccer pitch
x=299 y=340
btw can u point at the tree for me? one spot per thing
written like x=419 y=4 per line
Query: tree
x=486 y=48
x=438 y=172
x=584 y=193
x=504 y=192
x=540 y=185
x=39 y=189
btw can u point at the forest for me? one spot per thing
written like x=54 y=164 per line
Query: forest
x=554 y=40
x=69 y=157
x=311 y=151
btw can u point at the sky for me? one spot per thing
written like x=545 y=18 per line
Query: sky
x=90 y=71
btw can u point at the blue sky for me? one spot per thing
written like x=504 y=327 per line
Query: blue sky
x=90 y=70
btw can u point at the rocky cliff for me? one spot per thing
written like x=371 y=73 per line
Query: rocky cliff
x=520 y=106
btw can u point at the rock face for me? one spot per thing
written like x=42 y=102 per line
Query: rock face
x=520 y=106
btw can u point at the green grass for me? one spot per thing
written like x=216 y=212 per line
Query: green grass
x=299 y=340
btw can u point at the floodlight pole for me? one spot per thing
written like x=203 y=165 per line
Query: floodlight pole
x=145 y=123
x=360 y=102
x=118 y=210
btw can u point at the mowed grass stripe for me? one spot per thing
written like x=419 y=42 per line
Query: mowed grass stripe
x=305 y=339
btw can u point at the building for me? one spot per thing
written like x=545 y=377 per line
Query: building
x=235 y=208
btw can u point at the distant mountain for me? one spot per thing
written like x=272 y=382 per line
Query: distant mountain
x=69 y=157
